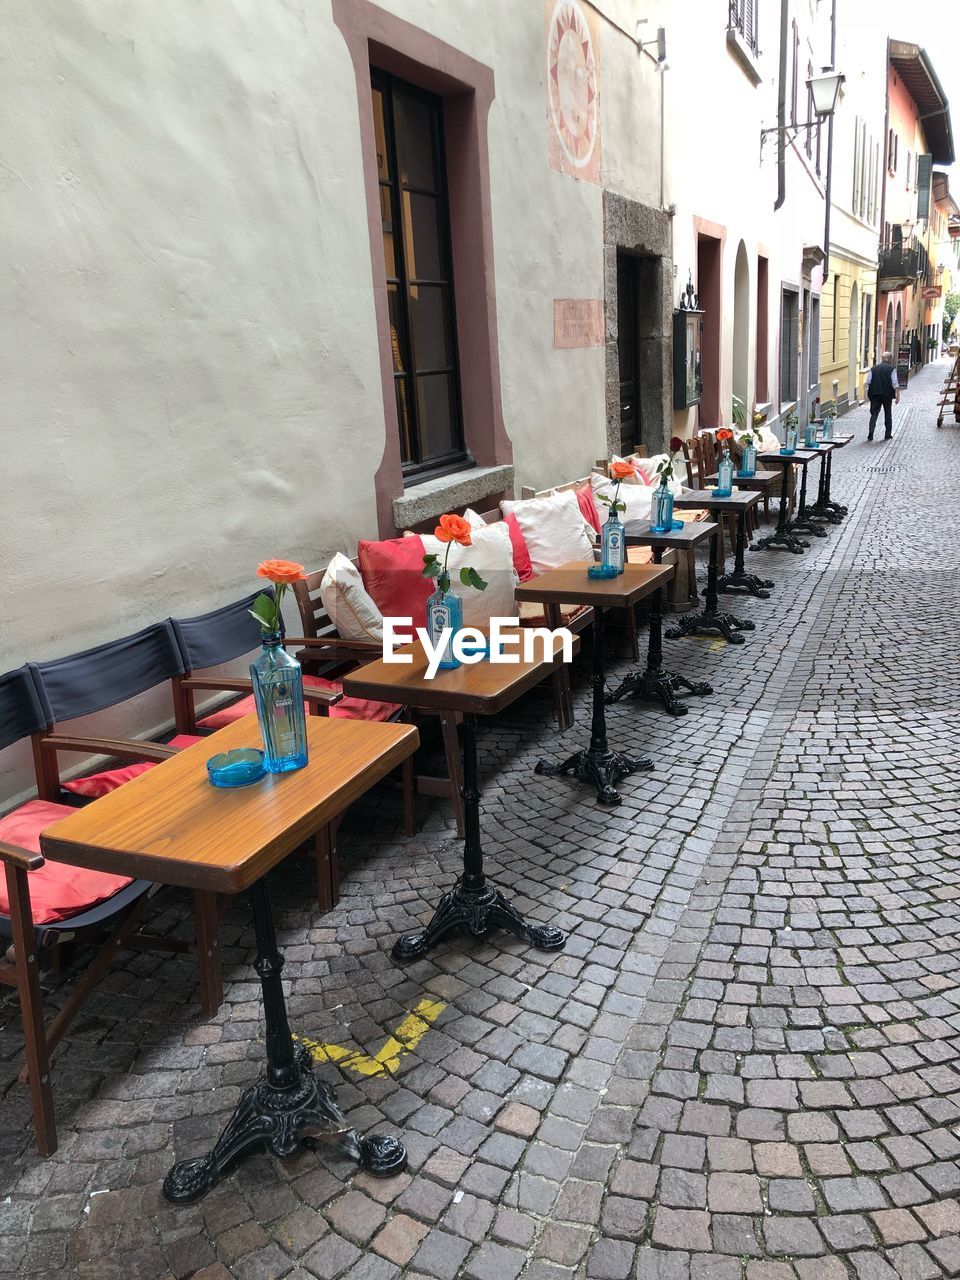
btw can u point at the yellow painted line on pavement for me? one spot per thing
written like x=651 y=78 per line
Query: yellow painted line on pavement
x=403 y=1041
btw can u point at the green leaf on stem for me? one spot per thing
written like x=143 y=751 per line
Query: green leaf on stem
x=431 y=565
x=470 y=578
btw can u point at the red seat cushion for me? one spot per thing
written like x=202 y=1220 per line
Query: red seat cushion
x=588 y=506
x=99 y=784
x=347 y=709
x=521 y=552
x=392 y=573
x=57 y=891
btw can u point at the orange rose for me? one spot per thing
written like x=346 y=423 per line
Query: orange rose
x=724 y=434
x=284 y=571
x=620 y=470
x=453 y=529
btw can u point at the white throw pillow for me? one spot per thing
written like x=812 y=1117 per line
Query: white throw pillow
x=352 y=611
x=636 y=499
x=768 y=438
x=491 y=554
x=553 y=528
x=648 y=469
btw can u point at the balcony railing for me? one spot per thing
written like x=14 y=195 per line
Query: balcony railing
x=898 y=261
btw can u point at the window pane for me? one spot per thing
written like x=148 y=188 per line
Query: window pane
x=380 y=132
x=422 y=243
x=405 y=420
x=416 y=147
x=386 y=220
x=397 y=343
x=430 y=325
x=435 y=407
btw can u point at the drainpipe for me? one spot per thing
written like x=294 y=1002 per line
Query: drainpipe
x=883 y=190
x=828 y=186
x=782 y=108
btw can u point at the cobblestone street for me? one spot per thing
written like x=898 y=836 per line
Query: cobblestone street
x=743 y=1065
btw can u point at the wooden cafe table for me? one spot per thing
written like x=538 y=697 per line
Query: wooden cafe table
x=473 y=905
x=173 y=826
x=597 y=764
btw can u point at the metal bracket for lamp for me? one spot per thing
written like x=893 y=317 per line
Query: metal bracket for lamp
x=825 y=91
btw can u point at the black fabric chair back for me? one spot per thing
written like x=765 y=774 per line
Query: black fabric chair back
x=219 y=636
x=108 y=674
x=21 y=706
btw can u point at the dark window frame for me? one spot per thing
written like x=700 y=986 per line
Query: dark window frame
x=415 y=464
x=789 y=388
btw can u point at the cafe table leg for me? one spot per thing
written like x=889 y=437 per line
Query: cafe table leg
x=597 y=764
x=820 y=510
x=710 y=619
x=781 y=536
x=474 y=905
x=654 y=681
x=838 y=510
x=288 y=1103
x=804 y=522
x=739 y=579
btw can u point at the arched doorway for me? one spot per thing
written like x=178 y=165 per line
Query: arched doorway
x=887 y=339
x=741 y=327
x=854 y=346
x=897 y=333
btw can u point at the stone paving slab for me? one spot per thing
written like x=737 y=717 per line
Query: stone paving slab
x=743 y=1065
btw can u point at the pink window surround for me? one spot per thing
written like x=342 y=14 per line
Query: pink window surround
x=379 y=39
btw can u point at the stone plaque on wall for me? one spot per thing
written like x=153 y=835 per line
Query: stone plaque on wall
x=577 y=322
x=573 y=86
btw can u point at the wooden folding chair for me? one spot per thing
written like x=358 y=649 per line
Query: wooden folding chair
x=48 y=905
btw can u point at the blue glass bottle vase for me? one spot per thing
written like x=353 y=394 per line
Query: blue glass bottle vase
x=810 y=435
x=828 y=427
x=724 y=487
x=661 y=509
x=444 y=610
x=789 y=440
x=612 y=544
x=748 y=460
x=278 y=694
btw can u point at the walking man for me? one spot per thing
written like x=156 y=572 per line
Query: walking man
x=883 y=389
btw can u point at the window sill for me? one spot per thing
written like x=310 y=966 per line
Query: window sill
x=744 y=55
x=432 y=498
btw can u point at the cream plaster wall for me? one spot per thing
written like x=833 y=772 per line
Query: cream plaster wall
x=718 y=175
x=191 y=380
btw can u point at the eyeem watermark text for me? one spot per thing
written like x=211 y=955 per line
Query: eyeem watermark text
x=507 y=642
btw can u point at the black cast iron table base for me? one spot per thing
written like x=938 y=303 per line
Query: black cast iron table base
x=740 y=580
x=825 y=508
x=806 y=524
x=661 y=684
x=474 y=906
x=654 y=681
x=714 y=623
x=603 y=769
x=288 y=1106
x=598 y=764
x=711 y=619
x=476 y=912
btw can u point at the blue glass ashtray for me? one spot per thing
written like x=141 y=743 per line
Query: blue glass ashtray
x=236 y=768
x=665 y=528
x=471 y=647
x=599 y=571
x=719 y=493
x=788 y=453
x=746 y=475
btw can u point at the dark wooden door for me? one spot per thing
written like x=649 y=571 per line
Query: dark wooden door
x=628 y=349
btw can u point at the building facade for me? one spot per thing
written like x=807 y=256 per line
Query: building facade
x=849 y=302
x=749 y=181
x=918 y=135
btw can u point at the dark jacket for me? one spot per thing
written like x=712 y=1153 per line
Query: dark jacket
x=881 y=380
